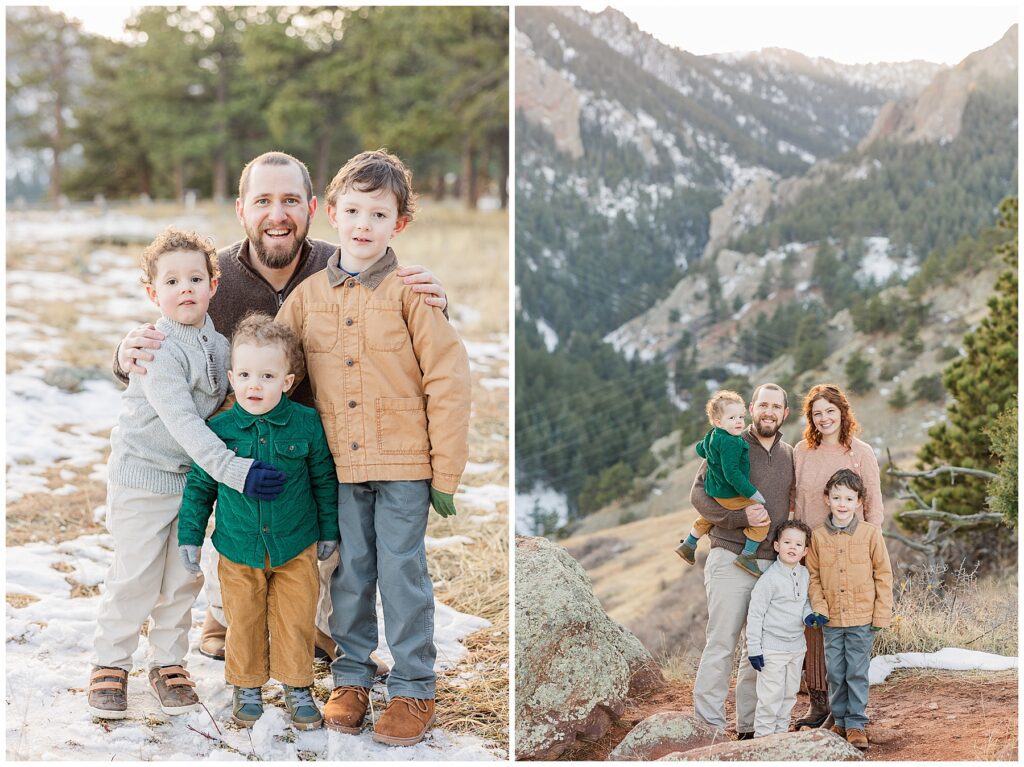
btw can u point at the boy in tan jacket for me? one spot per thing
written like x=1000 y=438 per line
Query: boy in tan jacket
x=390 y=379
x=851 y=591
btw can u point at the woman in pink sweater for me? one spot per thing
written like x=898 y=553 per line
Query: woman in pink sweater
x=828 y=445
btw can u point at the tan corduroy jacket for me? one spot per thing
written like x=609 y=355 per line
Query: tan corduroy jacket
x=851 y=577
x=389 y=375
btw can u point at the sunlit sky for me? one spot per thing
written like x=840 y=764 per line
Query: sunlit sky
x=852 y=34
x=871 y=30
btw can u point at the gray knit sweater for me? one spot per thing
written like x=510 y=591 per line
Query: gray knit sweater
x=162 y=426
x=778 y=605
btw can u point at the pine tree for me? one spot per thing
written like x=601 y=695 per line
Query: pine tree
x=983 y=385
x=858 y=374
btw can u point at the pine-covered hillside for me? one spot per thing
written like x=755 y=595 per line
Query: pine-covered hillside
x=685 y=222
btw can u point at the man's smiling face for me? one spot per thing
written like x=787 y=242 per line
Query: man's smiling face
x=275 y=213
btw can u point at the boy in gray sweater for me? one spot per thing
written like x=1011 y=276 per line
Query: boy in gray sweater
x=779 y=609
x=160 y=431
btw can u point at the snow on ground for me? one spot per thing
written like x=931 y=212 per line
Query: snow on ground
x=949 y=658
x=82 y=224
x=48 y=646
x=878 y=265
x=540 y=502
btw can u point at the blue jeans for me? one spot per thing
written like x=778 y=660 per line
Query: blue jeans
x=847 y=658
x=382 y=528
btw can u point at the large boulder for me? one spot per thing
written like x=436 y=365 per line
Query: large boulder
x=574 y=665
x=664 y=733
x=807 y=746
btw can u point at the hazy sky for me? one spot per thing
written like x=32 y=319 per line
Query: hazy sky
x=865 y=32
x=868 y=31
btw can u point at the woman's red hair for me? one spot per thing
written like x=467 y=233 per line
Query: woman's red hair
x=848 y=422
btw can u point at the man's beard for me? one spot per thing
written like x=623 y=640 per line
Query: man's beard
x=766 y=430
x=277 y=258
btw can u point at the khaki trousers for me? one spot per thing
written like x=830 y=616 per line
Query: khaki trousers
x=728 y=589
x=209 y=563
x=276 y=601
x=146 y=580
x=777 y=685
x=703 y=526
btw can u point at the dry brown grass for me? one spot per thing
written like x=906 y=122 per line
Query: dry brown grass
x=965 y=612
x=18 y=601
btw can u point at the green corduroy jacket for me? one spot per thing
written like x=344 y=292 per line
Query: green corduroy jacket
x=291 y=438
x=728 y=460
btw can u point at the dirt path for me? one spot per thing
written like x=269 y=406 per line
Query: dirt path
x=917 y=715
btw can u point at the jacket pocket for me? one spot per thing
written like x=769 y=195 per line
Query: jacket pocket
x=859 y=553
x=320 y=328
x=329 y=421
x=291 y=452
x=241 y=448
x=402 y=425
x=385 y=327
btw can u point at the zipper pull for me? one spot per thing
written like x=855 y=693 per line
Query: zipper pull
x=280 y=298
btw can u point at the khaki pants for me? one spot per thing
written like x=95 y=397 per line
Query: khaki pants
x=146 y=580
x=777 y=686
x=279 y=601
x=702 y=526
x=209 y=563
x=728 y=589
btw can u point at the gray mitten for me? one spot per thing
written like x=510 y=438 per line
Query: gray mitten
x=758 y=497
x=324 y=549
x=190 y=558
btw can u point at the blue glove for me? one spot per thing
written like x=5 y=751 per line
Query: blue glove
x=264 y=482
x=757 y=661
x=189 y=556
x=324 y=549
x=815 y=620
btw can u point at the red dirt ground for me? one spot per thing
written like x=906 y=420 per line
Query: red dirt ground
x=917 y=715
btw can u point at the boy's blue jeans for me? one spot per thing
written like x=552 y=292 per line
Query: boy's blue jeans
x=382 y=528
x=847 y=658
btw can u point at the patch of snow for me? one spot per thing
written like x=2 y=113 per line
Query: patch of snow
x=877 y=265
x=948 y=658
x=547 y=334
x=542 y=500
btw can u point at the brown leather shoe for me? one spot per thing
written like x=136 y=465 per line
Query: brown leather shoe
x=857 y=739
x=346 y=709
x=211 y=641
x=840 y=731
x=108 y=692
x=174 y=690
x=404 y=722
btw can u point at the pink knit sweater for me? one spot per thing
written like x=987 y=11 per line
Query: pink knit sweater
x=815 y=466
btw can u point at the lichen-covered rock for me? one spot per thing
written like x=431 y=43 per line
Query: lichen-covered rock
x=807 y=746
x=664 y=733
x=574 y=665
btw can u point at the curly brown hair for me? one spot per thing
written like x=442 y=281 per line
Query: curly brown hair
x=848 y=426
x=371 y=171
x=171 y=240
x=716 y=405
x=260 y=329
x=793 y=524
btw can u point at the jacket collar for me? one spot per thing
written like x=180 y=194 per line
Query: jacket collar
x=849 y=529
x=279 y=416
x=750 y=436
x=244 y=257
x=370 y=277
x=187 y=334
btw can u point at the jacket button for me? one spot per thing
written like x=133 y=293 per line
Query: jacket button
x=291 y=447
x=266 y=529
x=263 y=440
x=205 y=338
x=350 y=362
x=351 y=403
x=351 y=283
x=348 y=320
x=355 y=445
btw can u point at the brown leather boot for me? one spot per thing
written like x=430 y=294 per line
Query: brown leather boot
x=817 y=712
x=857 y=739
x=840 y=731
x=404 y=722
x=346 y=709
x=213 y=637
x=324 y=647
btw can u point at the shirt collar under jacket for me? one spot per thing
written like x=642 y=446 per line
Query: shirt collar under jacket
x=371 y=276
x=751 y=436
x=849 y=529
x=279 y=416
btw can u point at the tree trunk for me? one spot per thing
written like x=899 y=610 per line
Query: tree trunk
x=503 y=175
x=323 y=158
x=60 y=66
x=179 y=181
x=439 y=188
x=470 y=192
x=220 y=163
x=220 y=176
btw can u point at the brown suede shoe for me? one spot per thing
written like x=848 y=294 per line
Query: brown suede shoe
x=173 y=688
x=108 y=692
x=404 y=722
x=346 y=709
x=211 y=641
x=840 y=731
x=857 y=739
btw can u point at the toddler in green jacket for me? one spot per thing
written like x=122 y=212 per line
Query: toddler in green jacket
x=269 y=549
x=728 y=476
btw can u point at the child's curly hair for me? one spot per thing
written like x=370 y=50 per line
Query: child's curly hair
x=171 y=240
x=716 y=405
x=260 y=329
x=793 y=524
x=371 y=171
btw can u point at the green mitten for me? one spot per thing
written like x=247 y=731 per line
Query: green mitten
x=875 y=629
x=443 y=503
